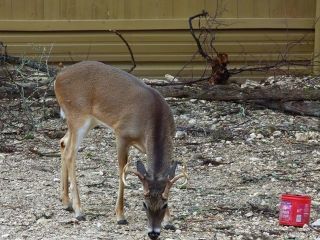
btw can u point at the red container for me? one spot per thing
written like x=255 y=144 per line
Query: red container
x=294 y=210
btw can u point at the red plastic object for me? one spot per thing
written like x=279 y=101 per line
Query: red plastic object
x=294 y=210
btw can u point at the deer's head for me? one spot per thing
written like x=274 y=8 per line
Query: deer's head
x=156 y=192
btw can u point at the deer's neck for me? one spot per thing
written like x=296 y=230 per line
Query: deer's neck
x=159 y=141
x=159 y=152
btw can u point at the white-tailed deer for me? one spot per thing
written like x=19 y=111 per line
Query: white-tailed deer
x=91 y=93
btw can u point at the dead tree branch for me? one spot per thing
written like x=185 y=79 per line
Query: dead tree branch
x=129 y=49
x=218 y=61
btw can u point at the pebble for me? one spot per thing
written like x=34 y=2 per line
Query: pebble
x=252 y=135
x=2 y=157
x=260 y=136
x=92 y=148
x=301 y=137
x=276 y=133
x=99 y=225
x=214 y=120
x=181 y=135
x=316 y=223
x=249 y=214
x=192 y=122
x=5 y=236
x=169 y=77
x=56 y=179
x=42 y=221
x=178 y=231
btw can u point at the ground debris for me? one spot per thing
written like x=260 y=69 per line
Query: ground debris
x=240 y=160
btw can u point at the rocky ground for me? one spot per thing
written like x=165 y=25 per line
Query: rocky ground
x=240 y=160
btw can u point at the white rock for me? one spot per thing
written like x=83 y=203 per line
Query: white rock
x=181 y=135
x=260 y=136
x=315 y=153
x=250 y=84
x=92 y=148
x=170 y=77
x=99 y=225
x=192 y=122
x=214 y=120
x=56 y=179
x=252 y=135
x=276 y=133
x=254 y=159
x=313 y=135
x=213 y=127
x=178 y=231
x=218 y=159
x=42 y=221
x=2 y=157
x=249 y=214
x=316 y=223
x=5 y=236
x=301 y=137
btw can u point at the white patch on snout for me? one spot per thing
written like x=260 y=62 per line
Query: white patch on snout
x=156 y=230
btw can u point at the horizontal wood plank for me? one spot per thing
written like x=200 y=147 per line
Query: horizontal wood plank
x=151 y=24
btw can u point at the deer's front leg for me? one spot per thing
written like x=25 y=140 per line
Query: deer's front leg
x=122 y=150
x=167 y=221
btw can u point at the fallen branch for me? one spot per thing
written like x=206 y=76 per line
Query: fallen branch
x=236 y=93
x=44 y=154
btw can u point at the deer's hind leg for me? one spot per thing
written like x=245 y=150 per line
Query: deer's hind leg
x=64 y=183
x=70 y=144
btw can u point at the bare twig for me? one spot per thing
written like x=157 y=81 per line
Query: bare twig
x=128 y=46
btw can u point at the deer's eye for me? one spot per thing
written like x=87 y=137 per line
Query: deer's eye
x=145 y=206
x=165 y=206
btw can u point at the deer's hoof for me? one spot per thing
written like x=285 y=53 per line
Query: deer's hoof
x=123 y=222
x=169 y=226
x=68 y=208
x=81 y=218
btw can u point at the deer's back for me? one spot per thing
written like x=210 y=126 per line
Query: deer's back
x=111 y=95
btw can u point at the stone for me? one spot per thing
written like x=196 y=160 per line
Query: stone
x=180 y=135
x=301 y=137
x=276 y=133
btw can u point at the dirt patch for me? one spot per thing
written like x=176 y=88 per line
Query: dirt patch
x=240 y=160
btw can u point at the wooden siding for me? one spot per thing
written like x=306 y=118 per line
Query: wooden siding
x=73 y=30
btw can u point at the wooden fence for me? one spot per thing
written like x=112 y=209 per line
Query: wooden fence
x=157 y=30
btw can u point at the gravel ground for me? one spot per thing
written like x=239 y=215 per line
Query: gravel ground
x=240 y=160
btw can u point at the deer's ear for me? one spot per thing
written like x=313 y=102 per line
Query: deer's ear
x=141 y=169
x=172 y=170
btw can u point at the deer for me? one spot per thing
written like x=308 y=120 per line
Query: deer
x=92 y=93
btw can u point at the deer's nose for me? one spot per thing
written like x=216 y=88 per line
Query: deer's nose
x=153 y=235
